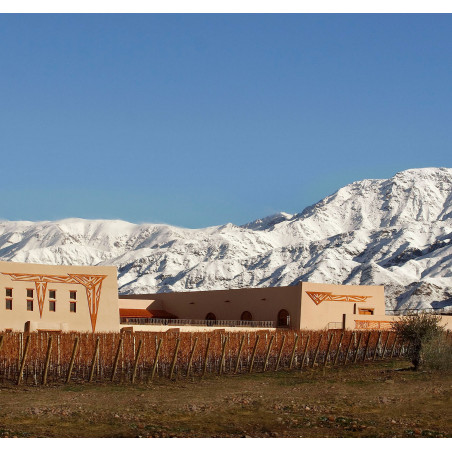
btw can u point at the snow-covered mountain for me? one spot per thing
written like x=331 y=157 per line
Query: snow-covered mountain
x=396 y=232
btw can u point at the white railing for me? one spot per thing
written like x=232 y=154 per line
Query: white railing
x=197 y=322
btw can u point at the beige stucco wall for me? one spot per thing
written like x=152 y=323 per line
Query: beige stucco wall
x=193 y=329
x=318 y=316
x=262 y=303
x=62 y=318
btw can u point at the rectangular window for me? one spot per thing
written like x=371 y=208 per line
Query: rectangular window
x=29 y=305
x=9 y=292
x=72 y=306
x=73 y=295
x=9 y=304
x=52 y=294
x=366 y=311
x=52 y=306
x=29 y=293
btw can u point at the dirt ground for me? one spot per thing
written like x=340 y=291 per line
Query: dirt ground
x=383 y=399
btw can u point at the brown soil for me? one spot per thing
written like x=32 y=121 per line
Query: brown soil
x=384 y=399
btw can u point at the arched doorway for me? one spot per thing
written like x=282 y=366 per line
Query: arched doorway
x=283 y=318
x=211 y=316
x=246 y=316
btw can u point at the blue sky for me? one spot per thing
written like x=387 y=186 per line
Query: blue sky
x=197 y=120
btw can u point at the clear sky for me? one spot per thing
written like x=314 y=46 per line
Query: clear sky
x=198 y=120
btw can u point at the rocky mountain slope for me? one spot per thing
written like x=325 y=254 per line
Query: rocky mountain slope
x=396 y=232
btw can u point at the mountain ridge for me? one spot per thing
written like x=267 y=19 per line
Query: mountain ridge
x=395 y=231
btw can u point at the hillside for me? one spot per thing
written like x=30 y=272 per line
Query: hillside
x=395 y=232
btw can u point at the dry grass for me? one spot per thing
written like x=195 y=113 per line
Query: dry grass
x=373 y=399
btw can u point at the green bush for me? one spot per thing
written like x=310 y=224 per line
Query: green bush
x=437 y=354
x=418 y=329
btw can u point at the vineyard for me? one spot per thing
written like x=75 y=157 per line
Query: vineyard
x=45 y=358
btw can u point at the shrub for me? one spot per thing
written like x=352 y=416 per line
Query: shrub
x=418 y=329
x=437 y=354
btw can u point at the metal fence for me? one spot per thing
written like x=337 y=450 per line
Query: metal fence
x=197 y=322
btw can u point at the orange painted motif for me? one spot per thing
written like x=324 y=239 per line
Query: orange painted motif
x=373 y=324
x=318 y=297
x=92 y=284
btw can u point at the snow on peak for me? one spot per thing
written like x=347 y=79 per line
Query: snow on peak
x=396 y=232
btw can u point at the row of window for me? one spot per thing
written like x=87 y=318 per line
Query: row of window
x=52 y=305
x=52 y=294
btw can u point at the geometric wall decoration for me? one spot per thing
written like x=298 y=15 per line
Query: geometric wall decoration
x=92 y=284
x=318 y=297
x=373 y=324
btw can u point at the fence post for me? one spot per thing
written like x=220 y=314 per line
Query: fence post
x=206 y=356
x=336 y=356
x=280 y=352
x=24 y=357
x=268 y=352
x=191 y=356
x=156 y=360
x=328 y=350
x=317 y=350
x=305 y=351
x=292 y=356
x=357 y=347
x=223 y=351
x=137 y=357
x=71 y=364
x=253 y=354
x=393 y=347
x=376 y=346
x=352 y=337
x=384 y=346
x=93 y=363
x=116 y=361
x=173 y=364
x=47 y=361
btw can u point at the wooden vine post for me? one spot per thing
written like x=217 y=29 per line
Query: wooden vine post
x=1 y=342
x=385 y=345
x=357 y=347
x=94 y=361
x=24 y=357
x=328 y=350
x=238 y=354
x=317 y=350
x=137 y=358
x=47 y=361
x=116 y=361
x=173 y=364
x=191 y=356
x=376 y=346
x=156 y=360
x=336 y=356
x=367 y=346
x=393 y=346
x=223 y=351
x=71 y=363
x=292 y=356
x=206 y=357
x=280 y=352
x=267 y=355
x=253 y=354
x=352 y=338
x=305 y=351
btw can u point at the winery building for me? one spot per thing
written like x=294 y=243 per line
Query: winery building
x=40 y=297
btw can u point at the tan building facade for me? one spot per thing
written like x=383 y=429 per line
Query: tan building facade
x=58 y=298
x=303 y=306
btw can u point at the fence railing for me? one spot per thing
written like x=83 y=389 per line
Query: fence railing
x=197 y=322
